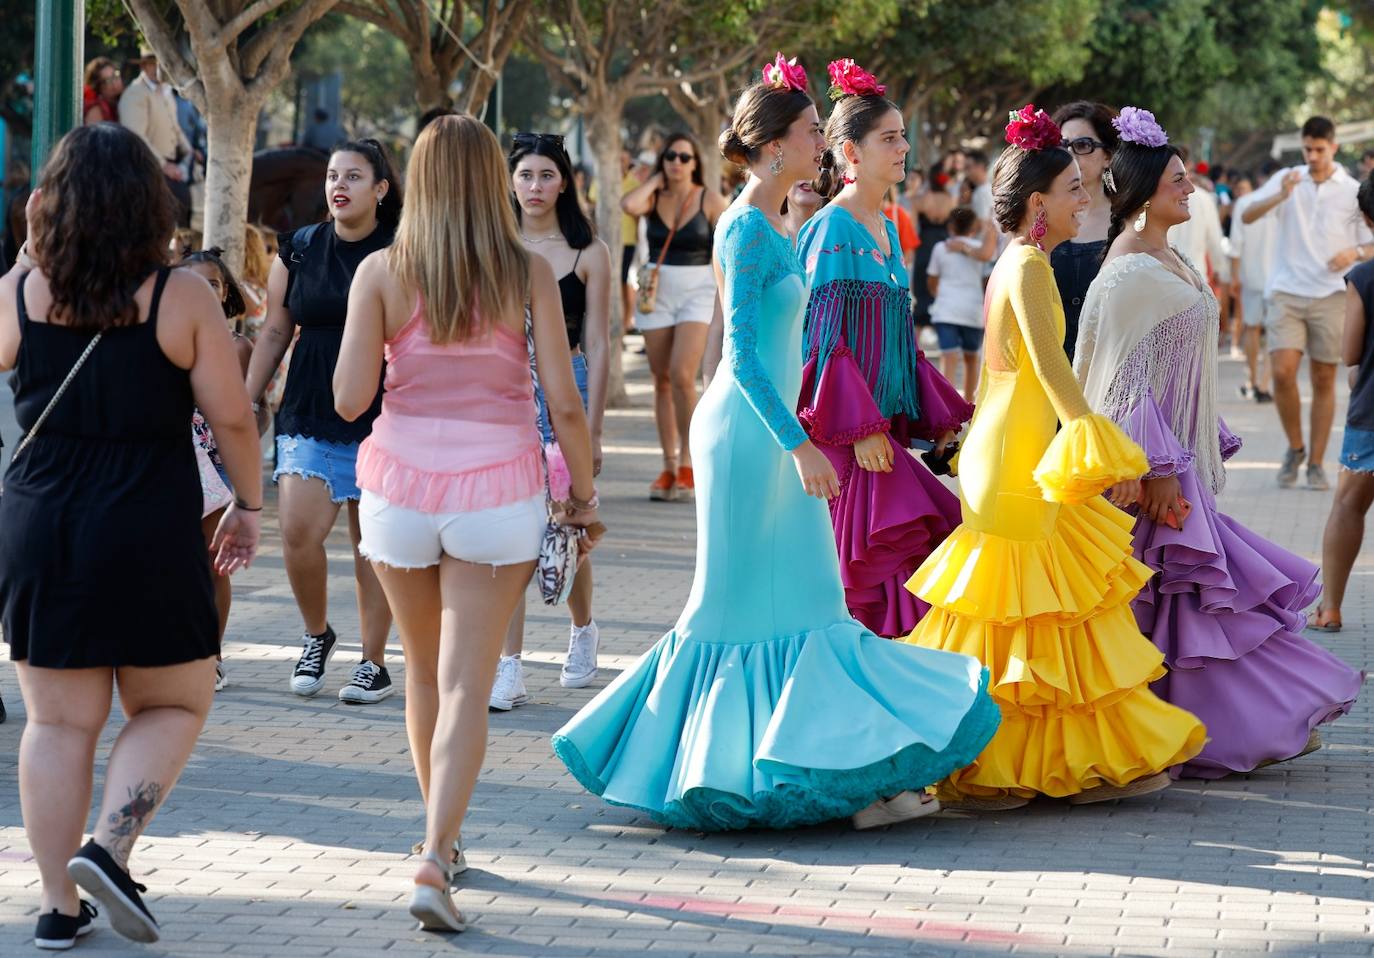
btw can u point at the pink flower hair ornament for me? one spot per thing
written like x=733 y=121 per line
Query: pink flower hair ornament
x=1030 y=129
x=847 y=78
x=785 y=74
x=1140 y=127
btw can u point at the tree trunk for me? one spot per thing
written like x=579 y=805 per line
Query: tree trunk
x=431 y=89
x=231 y=128
x=603 y=132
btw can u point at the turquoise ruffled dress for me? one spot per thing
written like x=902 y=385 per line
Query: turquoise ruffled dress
x=768 y=705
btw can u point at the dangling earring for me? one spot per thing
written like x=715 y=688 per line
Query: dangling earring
x=1140 y=220
x=1039 y=228
x=776 y=166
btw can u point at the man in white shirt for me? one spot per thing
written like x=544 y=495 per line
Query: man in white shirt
x=1321 y=234
x=976 y=172
x=150 y=110
x=1252 y=262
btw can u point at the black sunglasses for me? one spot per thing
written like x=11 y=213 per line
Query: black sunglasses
x=1083 y=145
x=672 y=156
x=532 y=139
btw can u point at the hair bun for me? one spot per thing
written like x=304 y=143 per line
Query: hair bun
x=732 y=147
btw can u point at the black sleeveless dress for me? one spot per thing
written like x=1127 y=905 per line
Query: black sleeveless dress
x=931 y=233
x=102 y=559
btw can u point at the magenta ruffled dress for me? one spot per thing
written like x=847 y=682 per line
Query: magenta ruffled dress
x=864 y=375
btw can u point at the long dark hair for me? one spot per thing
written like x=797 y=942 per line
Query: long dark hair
x=389 y=210
x=1017 y=174
x=234 y=303
x=853 y=118
x=682 y=137
x=573 y=222
x=102 y=224
x=1136 y=170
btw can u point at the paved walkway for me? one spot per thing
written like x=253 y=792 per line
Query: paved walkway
x=290 y=830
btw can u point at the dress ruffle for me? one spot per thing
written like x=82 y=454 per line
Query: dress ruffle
x=943 y=408
x=1227 y=611
x=434 y=492
x=886 y=523
x=1145 y=425
x=1089 y=455
x=779 y=733
x=1051 y=620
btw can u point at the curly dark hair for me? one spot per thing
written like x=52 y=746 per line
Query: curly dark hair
x=101 y=226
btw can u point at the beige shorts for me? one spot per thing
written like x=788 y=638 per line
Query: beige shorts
x=1309 y=325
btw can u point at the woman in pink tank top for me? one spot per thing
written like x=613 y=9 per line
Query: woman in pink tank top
x=452 y=508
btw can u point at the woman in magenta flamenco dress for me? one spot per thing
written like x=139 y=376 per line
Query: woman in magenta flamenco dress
x=1226 y=606
x=864 y=375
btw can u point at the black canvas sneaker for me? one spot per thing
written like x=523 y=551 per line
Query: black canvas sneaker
x=370 y=683
x=308 y=678
x=58 y=932
x=97 y=873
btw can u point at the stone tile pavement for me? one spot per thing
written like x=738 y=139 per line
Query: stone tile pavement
x=289 y=832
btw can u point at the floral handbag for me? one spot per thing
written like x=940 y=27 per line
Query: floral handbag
x=559 y=554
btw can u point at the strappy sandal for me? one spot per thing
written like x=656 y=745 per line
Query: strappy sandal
x=1111 y=793
x=458 y=862
x=432 y=906
x=1331 y=624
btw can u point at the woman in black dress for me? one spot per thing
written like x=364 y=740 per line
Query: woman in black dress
x=317 y=451
x=104 y=574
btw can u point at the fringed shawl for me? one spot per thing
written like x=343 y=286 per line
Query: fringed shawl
x=1144 y=333
x=861 y=297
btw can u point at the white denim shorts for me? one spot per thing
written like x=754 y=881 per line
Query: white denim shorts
x=409 y=539
x=686 y=294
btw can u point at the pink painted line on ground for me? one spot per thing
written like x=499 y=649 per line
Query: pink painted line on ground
x=800 y=915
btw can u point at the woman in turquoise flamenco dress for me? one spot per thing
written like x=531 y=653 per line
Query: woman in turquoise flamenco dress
x=768 y=705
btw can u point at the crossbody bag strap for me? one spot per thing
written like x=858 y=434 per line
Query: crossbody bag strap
x=534 y=381
x=672 y=231
x=76 y=368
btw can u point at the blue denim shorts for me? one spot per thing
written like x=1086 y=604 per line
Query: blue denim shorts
x=1357 y=450
x=579 y=364
x=334 y=462
x=953 y=336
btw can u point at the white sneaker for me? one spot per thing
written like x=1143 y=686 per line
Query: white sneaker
x=509 y=689
x=902 y=807
x=580 y=668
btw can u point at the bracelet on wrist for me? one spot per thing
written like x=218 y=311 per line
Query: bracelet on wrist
x=575 y=504
x=244 y=507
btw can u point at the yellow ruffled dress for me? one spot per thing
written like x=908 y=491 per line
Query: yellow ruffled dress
x=1038 y=579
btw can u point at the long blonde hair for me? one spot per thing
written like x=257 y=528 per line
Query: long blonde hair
x=458 y=244
x=256 y=263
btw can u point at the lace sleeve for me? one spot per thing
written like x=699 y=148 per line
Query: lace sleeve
x=747 y=258
x=1039 y=316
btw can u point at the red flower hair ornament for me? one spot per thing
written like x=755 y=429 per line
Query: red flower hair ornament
x=847 y=78
x=1031 y=129
x=785 y=74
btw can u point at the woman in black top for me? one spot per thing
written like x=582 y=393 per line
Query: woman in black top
x=104 y=573
x=1090 y=136
x=554 y=225
x=675 y=330
x=316 y=449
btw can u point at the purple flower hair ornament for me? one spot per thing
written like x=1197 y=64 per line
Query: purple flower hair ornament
x=1140 y=127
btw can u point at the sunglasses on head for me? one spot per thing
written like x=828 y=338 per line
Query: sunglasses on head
x=1083 y=145
x=533 y=139
x=672 y=156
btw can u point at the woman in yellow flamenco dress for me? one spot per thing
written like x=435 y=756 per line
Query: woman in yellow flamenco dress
x=1038 y=579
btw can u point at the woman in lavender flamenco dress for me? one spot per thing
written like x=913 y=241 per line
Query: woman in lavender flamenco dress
x=1226 y=605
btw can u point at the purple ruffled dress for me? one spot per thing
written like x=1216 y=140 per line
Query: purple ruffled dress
x=1226 y=606
x=864 y=375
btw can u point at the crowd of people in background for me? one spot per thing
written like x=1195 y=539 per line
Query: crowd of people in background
x=433 y=362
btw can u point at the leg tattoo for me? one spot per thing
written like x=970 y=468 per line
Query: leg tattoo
x=128 y=823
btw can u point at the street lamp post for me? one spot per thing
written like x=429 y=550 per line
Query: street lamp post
x=57 y=87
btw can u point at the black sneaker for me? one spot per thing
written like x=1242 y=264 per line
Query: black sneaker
x=97 y=873
x=370 y=683
x=58 y=932
x=1263 y=397
x=308 y=678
